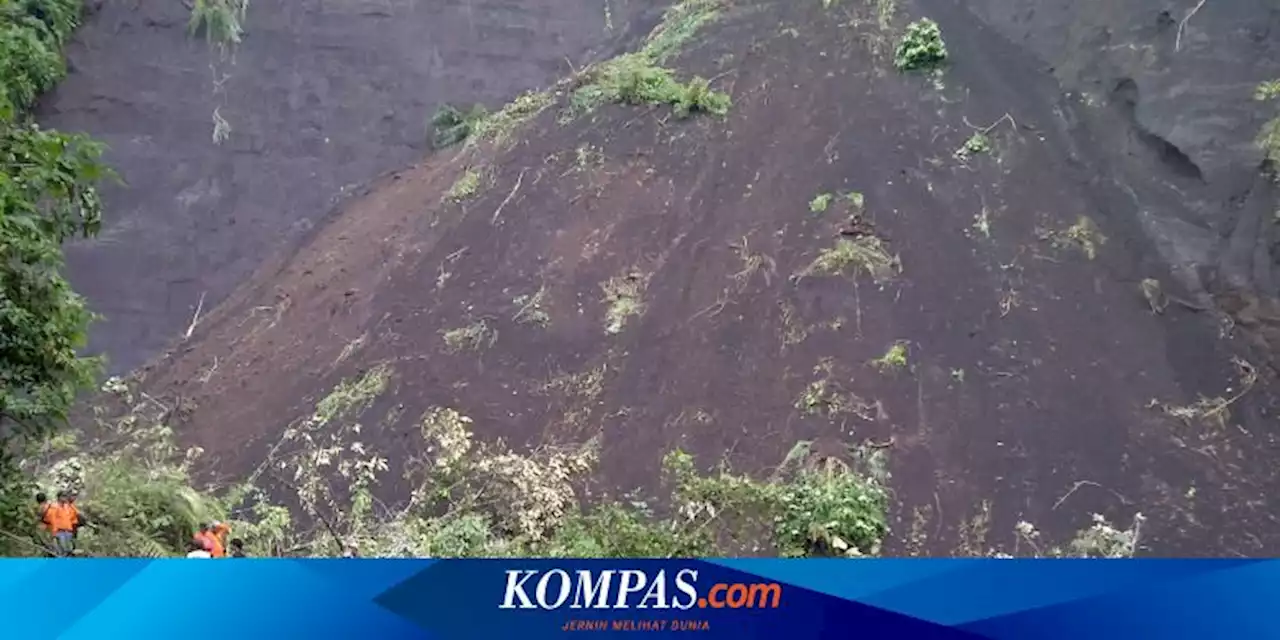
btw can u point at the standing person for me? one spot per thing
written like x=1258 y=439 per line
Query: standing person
x=218 y=532
x=63 y=519
x=237 y=548
x=42 y=505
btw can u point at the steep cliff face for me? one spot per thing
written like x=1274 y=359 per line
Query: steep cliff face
x=1180 y=79
x=321 y=97
x=947 y=266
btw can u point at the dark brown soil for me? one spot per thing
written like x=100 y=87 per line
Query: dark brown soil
x=322 y=97
x=1031 y=365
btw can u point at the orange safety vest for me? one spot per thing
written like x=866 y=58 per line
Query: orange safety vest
x=216 y=540
x=61 y=517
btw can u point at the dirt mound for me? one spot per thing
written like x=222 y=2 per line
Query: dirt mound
x=321 y=98
x=946 y=265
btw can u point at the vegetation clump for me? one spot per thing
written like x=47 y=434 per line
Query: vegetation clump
x=820 y=202
x=451 y=126
x=465 y=187
x=48 y=195
x=921 y=48
x=1084 y=235
x=977 y=144
x=634 y=79
x=641 y=79
x=624 y=297
x=865 y=254
x=894 y=359
x=473 y=337
x=222 y=21
x=466 y=498
x=1269 y=90
x=1269 y=138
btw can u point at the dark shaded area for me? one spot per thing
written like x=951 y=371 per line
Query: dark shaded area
x=321 y=98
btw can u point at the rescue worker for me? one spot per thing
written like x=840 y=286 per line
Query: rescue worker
x=63 y=520
x=212 y=537
x=218 y=532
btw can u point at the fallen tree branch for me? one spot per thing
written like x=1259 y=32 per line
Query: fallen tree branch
x=195 y=319
x=985 y=130
x=497 y=212
x=1182 y=26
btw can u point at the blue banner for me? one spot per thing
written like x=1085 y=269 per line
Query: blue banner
x=738 y=599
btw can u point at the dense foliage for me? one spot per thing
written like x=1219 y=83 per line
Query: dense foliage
x=47 y=195
x=921 y=47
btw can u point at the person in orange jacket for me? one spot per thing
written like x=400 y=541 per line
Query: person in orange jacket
x=63 y=520
x=212 y=537
x=218 y=532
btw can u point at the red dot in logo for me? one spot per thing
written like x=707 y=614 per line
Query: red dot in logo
x=702 y=603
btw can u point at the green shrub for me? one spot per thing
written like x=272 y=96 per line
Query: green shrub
x=921 y=48
x=47 y=195
x=221 y=20
x=633 y=79
x=450 y=126
x=30 y=60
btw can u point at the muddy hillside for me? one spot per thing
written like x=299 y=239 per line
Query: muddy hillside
x=318 y=99
x=1039 y=277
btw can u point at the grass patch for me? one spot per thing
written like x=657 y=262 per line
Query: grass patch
x=499 y=126
x=634 y=79
x=351 y=395
x=624 y=296
x=473 y=337
x=641 y=79
x=466 y=186
x=921 y=47
x=1084 y=235
x=679 y=25
x=820 y=202
x=867 y=254
x=451 y=126
x=895 y=359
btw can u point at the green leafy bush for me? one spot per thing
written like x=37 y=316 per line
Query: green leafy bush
x=921 y=48
x=633 y=79
x=47 y=195
x=451 y=126
x=222 y=21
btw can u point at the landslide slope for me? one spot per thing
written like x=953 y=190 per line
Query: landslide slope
x=320 y=97
x=664 y=282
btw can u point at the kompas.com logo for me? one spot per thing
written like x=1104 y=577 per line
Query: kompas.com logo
x=631 y=588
